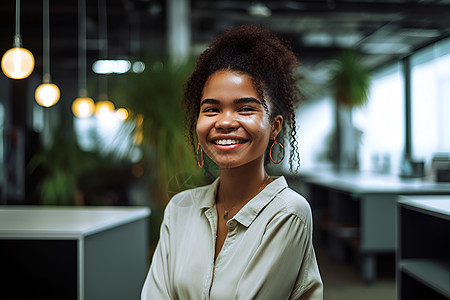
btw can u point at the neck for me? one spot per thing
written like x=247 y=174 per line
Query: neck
x=238 y=185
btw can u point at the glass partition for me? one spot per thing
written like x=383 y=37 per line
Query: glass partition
x=381 y=122
x=430 y=102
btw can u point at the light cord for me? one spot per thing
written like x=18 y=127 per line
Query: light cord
x=46 y=44
x=17 y=42
x=103 y=43
x=82 y=82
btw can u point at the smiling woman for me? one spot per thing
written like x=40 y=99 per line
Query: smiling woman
x=233 y=127
x=271 y=66
x=246 y=235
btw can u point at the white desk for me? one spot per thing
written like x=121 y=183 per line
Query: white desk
x=359 y=208
x=73 y=252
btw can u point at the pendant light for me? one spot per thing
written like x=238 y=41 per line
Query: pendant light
x=17 y=62
x=104 y=107
x=47 y=94
x=83 y=106
x=122 y=114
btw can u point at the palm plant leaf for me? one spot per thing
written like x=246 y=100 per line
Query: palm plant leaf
x=156 y=95
x=350 y=80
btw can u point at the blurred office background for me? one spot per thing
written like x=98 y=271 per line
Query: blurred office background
x=115 y=135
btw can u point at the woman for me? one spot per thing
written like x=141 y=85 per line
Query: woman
x=247 y=235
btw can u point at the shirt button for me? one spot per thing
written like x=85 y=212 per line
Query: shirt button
x=232 y=224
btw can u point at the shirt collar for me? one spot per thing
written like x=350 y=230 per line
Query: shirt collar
x=252 y=209
x=207 y=199
x=207 y=195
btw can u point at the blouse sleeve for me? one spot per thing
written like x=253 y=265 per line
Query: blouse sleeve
x=157 y=284
x=284 y=266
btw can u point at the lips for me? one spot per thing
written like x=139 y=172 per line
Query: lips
x=228 y=142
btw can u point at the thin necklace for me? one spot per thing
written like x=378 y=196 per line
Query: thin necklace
x=225 y=215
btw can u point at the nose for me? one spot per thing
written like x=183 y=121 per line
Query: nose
x=227 y=121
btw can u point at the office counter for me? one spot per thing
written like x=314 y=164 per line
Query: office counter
x=359 y=210
x=73 y=252
x=423 y=253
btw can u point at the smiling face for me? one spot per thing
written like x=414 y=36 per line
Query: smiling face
x=232 y=127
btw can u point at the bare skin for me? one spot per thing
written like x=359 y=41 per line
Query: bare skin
x=234 y=129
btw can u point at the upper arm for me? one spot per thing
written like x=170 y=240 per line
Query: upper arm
x=157 y=284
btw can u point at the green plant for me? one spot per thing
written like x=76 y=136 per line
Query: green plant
x=61 y=165
x=154 y=97
x=350 y=80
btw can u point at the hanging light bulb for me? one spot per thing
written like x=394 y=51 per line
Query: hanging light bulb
x=17 y=62
x=122 y=114
x=104 y=108
x=47 y=94
x=83 y=106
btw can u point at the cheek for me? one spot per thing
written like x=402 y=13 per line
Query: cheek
x=257 y=126
x=203 y=127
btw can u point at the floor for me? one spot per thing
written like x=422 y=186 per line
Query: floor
x=343 y=281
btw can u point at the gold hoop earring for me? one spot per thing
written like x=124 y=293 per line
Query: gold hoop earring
x=201 y=156
x=270 y=152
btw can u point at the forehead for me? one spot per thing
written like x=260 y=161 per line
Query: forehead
x=229 y=83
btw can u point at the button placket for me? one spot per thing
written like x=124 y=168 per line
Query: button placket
x=212 y=217
x=231 y=235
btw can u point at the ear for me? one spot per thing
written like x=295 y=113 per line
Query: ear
x=277 y=124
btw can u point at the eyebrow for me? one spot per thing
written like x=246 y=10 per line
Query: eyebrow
x=237 y=101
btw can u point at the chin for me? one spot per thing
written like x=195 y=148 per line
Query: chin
x=228 y=165
x=233 y=164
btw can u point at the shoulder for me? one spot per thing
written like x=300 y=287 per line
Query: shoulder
x=186 y=206
x=291 y=203
x=186 y=196
x=199 y=196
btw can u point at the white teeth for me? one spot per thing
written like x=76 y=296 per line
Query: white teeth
x=226 y=142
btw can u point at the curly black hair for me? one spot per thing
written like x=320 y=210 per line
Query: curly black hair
x=269 y=61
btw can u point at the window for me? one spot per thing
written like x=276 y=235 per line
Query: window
x=381 y=122
x=106 y=134
x=430 y=101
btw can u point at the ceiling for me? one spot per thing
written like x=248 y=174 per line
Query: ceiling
x=381 y=31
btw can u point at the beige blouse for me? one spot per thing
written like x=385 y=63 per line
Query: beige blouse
x=267 y=254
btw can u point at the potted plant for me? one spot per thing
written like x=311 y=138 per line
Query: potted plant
x=350 y=81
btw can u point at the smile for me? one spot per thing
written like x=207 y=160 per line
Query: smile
x=228 y=142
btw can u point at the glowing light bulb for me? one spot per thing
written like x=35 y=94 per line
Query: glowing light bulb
x=83 y=107
x=103 y=108
x=122 y=114
x=47 y=94
x=17 y=63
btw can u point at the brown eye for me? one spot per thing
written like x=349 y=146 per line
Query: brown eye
x=211 y=110
x=247 y=109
